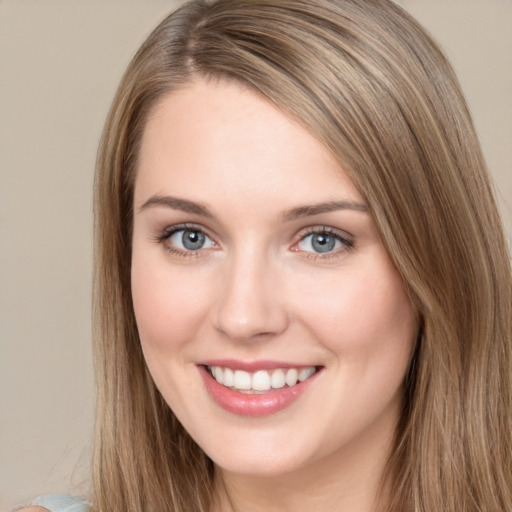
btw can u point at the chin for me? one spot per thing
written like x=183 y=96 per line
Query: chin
x=260 y=467
x=264 y=457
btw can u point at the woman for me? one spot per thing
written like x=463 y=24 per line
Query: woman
x=303 y=294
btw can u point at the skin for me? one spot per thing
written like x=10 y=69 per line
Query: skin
x=258 y=290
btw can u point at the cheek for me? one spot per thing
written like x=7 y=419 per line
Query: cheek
x=167 y=306
x=368 y=326
x=368 y=312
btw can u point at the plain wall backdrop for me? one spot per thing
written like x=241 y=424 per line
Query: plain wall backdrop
x=60 y=61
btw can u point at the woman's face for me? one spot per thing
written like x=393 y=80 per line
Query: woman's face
x=255 y=259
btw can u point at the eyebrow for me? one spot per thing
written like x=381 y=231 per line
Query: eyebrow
x=299 y=212
x=176 y=203
x=316 y=209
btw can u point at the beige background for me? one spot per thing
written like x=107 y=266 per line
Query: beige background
x=60 y=61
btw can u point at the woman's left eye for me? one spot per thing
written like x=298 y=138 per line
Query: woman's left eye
x=321 y=242
x=190 y=240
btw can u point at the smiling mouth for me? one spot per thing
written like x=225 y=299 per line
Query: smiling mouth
x=260 y=381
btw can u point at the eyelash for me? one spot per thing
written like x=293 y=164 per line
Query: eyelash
x=167 y=233
x=346 y=242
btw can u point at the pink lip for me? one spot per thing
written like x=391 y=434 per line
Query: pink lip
x=253 y=405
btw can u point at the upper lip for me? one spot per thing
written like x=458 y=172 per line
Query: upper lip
x=252 y=366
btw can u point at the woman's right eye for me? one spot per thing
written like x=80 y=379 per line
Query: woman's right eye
x=190 y=240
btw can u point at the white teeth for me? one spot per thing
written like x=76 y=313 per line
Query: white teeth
x=261 y=380
x=242 y=380
x=291 y=376
x=278 y=379
x=218 y=374
x=305 y=373
x=229 y=377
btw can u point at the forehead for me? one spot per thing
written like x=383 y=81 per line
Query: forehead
x=220 y=137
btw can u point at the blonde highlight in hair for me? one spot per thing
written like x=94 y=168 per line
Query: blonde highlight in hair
x=366 y=80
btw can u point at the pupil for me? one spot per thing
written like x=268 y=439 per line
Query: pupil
x=193 y=240
x=323 y=243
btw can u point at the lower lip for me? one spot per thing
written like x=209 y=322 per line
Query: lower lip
x=260 y=404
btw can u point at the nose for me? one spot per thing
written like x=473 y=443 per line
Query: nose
x=250 y=305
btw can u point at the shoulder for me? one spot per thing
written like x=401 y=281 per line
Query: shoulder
x=55 y=503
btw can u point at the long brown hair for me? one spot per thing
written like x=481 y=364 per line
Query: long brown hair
x=366 y=80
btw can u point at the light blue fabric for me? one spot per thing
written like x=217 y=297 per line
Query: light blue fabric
x=59 y=503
